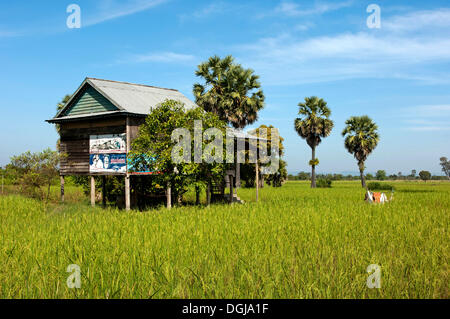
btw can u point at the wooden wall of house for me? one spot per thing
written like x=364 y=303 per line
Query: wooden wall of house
x=134 y=123
x=74 y=140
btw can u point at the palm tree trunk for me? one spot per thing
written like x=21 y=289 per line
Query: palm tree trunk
x=313 y=169
x=361 y=173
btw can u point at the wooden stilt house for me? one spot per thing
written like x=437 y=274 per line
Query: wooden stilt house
x=98 y=124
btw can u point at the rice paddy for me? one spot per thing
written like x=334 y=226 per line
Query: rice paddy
x=294 y=243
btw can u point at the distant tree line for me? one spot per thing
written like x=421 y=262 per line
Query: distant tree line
x=33 y=173
x=380 y=175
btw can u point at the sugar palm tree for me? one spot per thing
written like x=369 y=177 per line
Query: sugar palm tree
x=313 y=124
x=361 y=138
x=230 y=91
x=211 y=94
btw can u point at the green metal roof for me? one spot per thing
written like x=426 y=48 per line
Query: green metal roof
x=95 y=97
x=89 y=101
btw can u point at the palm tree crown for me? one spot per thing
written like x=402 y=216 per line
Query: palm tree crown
x=230 y=91
x=313 y=124
x=361 y=138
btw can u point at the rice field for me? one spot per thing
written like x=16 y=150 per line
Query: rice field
x=294 y=243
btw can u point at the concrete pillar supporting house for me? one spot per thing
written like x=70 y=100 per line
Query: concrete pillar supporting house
x=127 y=193
x=104 y=191
x=62 y=188
x=92 y=191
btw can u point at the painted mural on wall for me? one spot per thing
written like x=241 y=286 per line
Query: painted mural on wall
x=107 y=144
x=108 y=163
x=142 y=165
x=108 y=153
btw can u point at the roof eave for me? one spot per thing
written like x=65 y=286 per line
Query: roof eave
x=57 y=120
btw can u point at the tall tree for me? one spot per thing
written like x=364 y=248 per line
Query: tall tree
x=313 y=124
x=229 y=91
x=381 y=175
x=248 y=169
x=36 y=171
x=445 y=163
x=425 y=175
x=154 y=148
x=361 y=138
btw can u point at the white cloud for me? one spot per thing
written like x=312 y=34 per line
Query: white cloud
x=213 y=8
x=210 y=10
x=429 y=128
x=111 y=9
x=295 y=10
x=303 y=26
x=161 y=57
x=419 y=20
x=440 y=110
x=427 y=117
x=290 y=59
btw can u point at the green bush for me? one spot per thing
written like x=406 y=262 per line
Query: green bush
x=324 y=183
x=380 y=186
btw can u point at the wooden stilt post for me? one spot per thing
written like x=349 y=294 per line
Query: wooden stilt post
x=231 y=187
x=237 y=169
x=127 y=193
x=92 y=191
x=208 y=193
x=238 y=176
x=62 y=188
x=127 y=177
x=169 y=196
x=104 y=191
x=257 y=179
x=197 y=195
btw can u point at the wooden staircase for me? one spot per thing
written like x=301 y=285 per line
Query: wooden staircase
x=218 y=193
x=234 y=199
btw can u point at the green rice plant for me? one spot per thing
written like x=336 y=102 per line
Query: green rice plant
x=324 y=183
x=295 y=242
x=380 y=186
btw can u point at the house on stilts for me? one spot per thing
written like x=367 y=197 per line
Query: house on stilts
x=100 y=121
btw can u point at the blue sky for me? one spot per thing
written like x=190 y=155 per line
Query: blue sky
x=399 y=74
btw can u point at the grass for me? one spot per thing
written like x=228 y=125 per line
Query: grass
x=294 y=243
